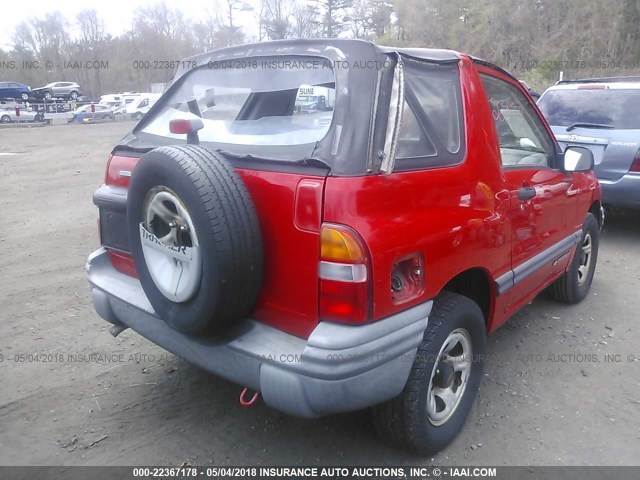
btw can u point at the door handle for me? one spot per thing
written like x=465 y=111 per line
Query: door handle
x=526 y=193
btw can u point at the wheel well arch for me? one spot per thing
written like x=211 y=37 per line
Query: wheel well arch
x=475 y=284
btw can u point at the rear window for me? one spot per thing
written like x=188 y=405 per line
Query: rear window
x=266 y=101
x=618 y=108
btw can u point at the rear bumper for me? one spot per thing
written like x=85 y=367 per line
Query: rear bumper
x=339 y=368
x=623 y=193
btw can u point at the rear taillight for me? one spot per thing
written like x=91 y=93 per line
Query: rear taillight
x=345 y=276
x=119 y=170
x=123 y=263
x=635 y=166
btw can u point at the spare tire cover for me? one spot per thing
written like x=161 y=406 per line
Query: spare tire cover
x=195 y=238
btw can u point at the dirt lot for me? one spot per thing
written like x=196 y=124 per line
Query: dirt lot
x=548 y=396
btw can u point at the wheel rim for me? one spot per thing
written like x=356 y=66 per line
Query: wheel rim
x=47 y=96
x=449 y=377
x=5 y=119
x=170 y=245
x=585 y=259
x=25 y=96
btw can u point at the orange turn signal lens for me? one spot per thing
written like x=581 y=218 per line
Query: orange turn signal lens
x=338 y=243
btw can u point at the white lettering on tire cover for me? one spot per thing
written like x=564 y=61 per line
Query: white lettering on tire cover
x=184 y=254
x=181 y=285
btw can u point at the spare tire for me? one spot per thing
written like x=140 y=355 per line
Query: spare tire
x=194 y=238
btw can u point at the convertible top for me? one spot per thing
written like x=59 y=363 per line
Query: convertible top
x=331 y=48
x=363 y=73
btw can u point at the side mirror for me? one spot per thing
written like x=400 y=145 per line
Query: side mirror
x=577 y=159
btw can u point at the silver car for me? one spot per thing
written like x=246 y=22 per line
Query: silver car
x=8 y=115
x=58 y=90
x=602 y=114
x=101 y=112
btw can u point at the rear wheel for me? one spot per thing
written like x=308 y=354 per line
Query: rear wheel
x=5 y=119
x=48 y=96
x=443 y=382
x=24 y=96
x=194 y=237
x=74 y=95
x=575 y=283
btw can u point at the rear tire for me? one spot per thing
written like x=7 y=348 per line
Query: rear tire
x=407 y=420
x=574 y=284
x=5 y=119
x=188 y=196
x=24 y=97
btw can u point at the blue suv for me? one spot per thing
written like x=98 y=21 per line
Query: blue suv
x=14 y=90
x=601 y=114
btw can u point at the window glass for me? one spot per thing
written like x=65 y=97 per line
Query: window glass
x=289 y=105
x=522 y=136
x=438 y=98
x=412 y=141
x=431 y=126
x=615 y=107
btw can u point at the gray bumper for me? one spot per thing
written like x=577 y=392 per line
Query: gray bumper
x=339 y=368
x=623 y=193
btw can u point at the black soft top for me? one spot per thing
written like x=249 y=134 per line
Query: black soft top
x=347 y=147
x=332 y=48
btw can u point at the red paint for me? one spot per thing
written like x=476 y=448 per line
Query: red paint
x=182 y=126
x=123 y=262
x=289 y=296
x=308 y=208
x=117 y=169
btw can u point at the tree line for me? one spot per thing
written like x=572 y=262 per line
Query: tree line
x=535 y=39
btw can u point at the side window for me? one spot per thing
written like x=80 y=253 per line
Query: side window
x=412 y=140
x=144 y=103
x=431 y=125
x=523 y=139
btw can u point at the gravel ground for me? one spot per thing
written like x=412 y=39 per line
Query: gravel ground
x=549 y=395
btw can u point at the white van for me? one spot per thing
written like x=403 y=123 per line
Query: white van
x=111 y=99
x=141 y=104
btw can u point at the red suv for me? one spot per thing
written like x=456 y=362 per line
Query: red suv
x=350 y=256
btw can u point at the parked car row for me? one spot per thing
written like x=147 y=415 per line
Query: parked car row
x=19 y=91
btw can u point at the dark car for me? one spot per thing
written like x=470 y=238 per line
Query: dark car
x=351 y=258
x=602 y=115
x=14 y=90
x=58 y=90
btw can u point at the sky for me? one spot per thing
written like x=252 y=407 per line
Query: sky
x=117 y=14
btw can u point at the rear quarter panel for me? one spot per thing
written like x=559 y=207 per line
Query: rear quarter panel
x=455 y=216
